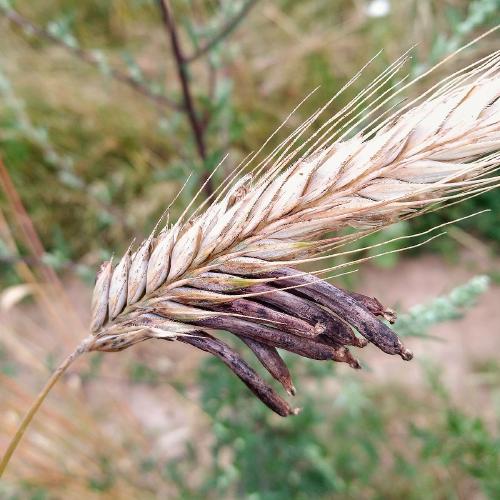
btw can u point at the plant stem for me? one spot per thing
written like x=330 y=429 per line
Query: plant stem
x=182 y=73
x=82 y=348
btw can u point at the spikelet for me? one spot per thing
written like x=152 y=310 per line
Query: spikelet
x=100 y=297
x=442 y=148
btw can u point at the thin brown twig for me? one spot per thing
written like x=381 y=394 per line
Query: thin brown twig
x=225 y=31
x=89 y=58
x=182 y=73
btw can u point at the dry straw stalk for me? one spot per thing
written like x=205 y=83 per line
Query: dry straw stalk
x=229 y=263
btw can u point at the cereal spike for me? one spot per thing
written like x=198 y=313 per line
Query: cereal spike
x=229 y=263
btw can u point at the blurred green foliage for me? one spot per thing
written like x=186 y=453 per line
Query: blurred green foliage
x=141 y=373
x=420 y=318
x=6 y=366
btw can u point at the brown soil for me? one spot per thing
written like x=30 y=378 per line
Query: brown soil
x=462 y=346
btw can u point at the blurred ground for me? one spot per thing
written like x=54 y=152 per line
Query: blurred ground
x=463 y=346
